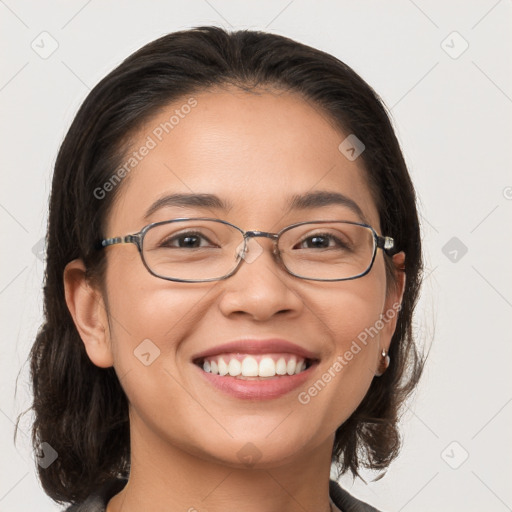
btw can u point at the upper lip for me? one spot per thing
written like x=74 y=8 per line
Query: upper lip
x=254 y=346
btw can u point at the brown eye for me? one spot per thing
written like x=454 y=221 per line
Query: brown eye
x=318 y=241
x=322 y=241
x=190 y=240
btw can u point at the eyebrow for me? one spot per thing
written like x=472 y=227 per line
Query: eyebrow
x=321 y=198
x=308 y=201
x=203 y=201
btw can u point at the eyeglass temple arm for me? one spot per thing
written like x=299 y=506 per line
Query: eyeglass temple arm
x=387 y=244
x=128 y=239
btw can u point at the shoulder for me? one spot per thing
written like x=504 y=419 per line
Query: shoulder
x=97 y=501
x=345 y=501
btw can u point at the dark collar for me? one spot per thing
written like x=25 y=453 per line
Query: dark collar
x=345 y=501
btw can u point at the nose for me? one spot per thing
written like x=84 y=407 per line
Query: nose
x=260 y=288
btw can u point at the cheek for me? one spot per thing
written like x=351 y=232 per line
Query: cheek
x=352 y=308
x=147 y=314
x=351 y=316
x=149 y=318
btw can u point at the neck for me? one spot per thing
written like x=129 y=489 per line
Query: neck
x=164 y=477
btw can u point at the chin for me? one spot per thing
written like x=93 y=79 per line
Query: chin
x=263 y=450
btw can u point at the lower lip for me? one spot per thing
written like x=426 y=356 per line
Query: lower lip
x=263 y=389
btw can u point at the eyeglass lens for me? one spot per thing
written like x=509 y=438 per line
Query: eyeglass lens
x=207 y=249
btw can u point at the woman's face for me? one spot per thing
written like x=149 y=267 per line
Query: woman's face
x=253 y=151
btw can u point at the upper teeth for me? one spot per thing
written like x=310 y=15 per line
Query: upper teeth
x=248 y=366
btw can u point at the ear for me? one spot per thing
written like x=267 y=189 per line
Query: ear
x=393 y=301
x=86 y=305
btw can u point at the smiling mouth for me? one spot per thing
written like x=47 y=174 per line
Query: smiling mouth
x=255 y=366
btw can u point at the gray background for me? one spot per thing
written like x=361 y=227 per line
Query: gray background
x=451 y=106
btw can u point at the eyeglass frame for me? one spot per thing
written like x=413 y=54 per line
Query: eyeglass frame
x=386 y=243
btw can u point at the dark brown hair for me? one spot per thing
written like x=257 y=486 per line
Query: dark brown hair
x=81 y=409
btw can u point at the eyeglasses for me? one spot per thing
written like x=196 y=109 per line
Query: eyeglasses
x=192 y=250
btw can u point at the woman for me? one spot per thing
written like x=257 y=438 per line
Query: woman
x=233 y=261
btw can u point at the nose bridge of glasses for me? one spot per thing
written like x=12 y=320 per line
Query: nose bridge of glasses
x=262 y=234
x=255 y=248
x=265 y=234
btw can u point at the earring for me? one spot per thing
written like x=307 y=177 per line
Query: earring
x=384 y=364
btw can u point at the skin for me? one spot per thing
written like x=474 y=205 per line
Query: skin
x=254 y=150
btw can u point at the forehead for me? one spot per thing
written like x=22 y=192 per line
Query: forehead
x=254 y=150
